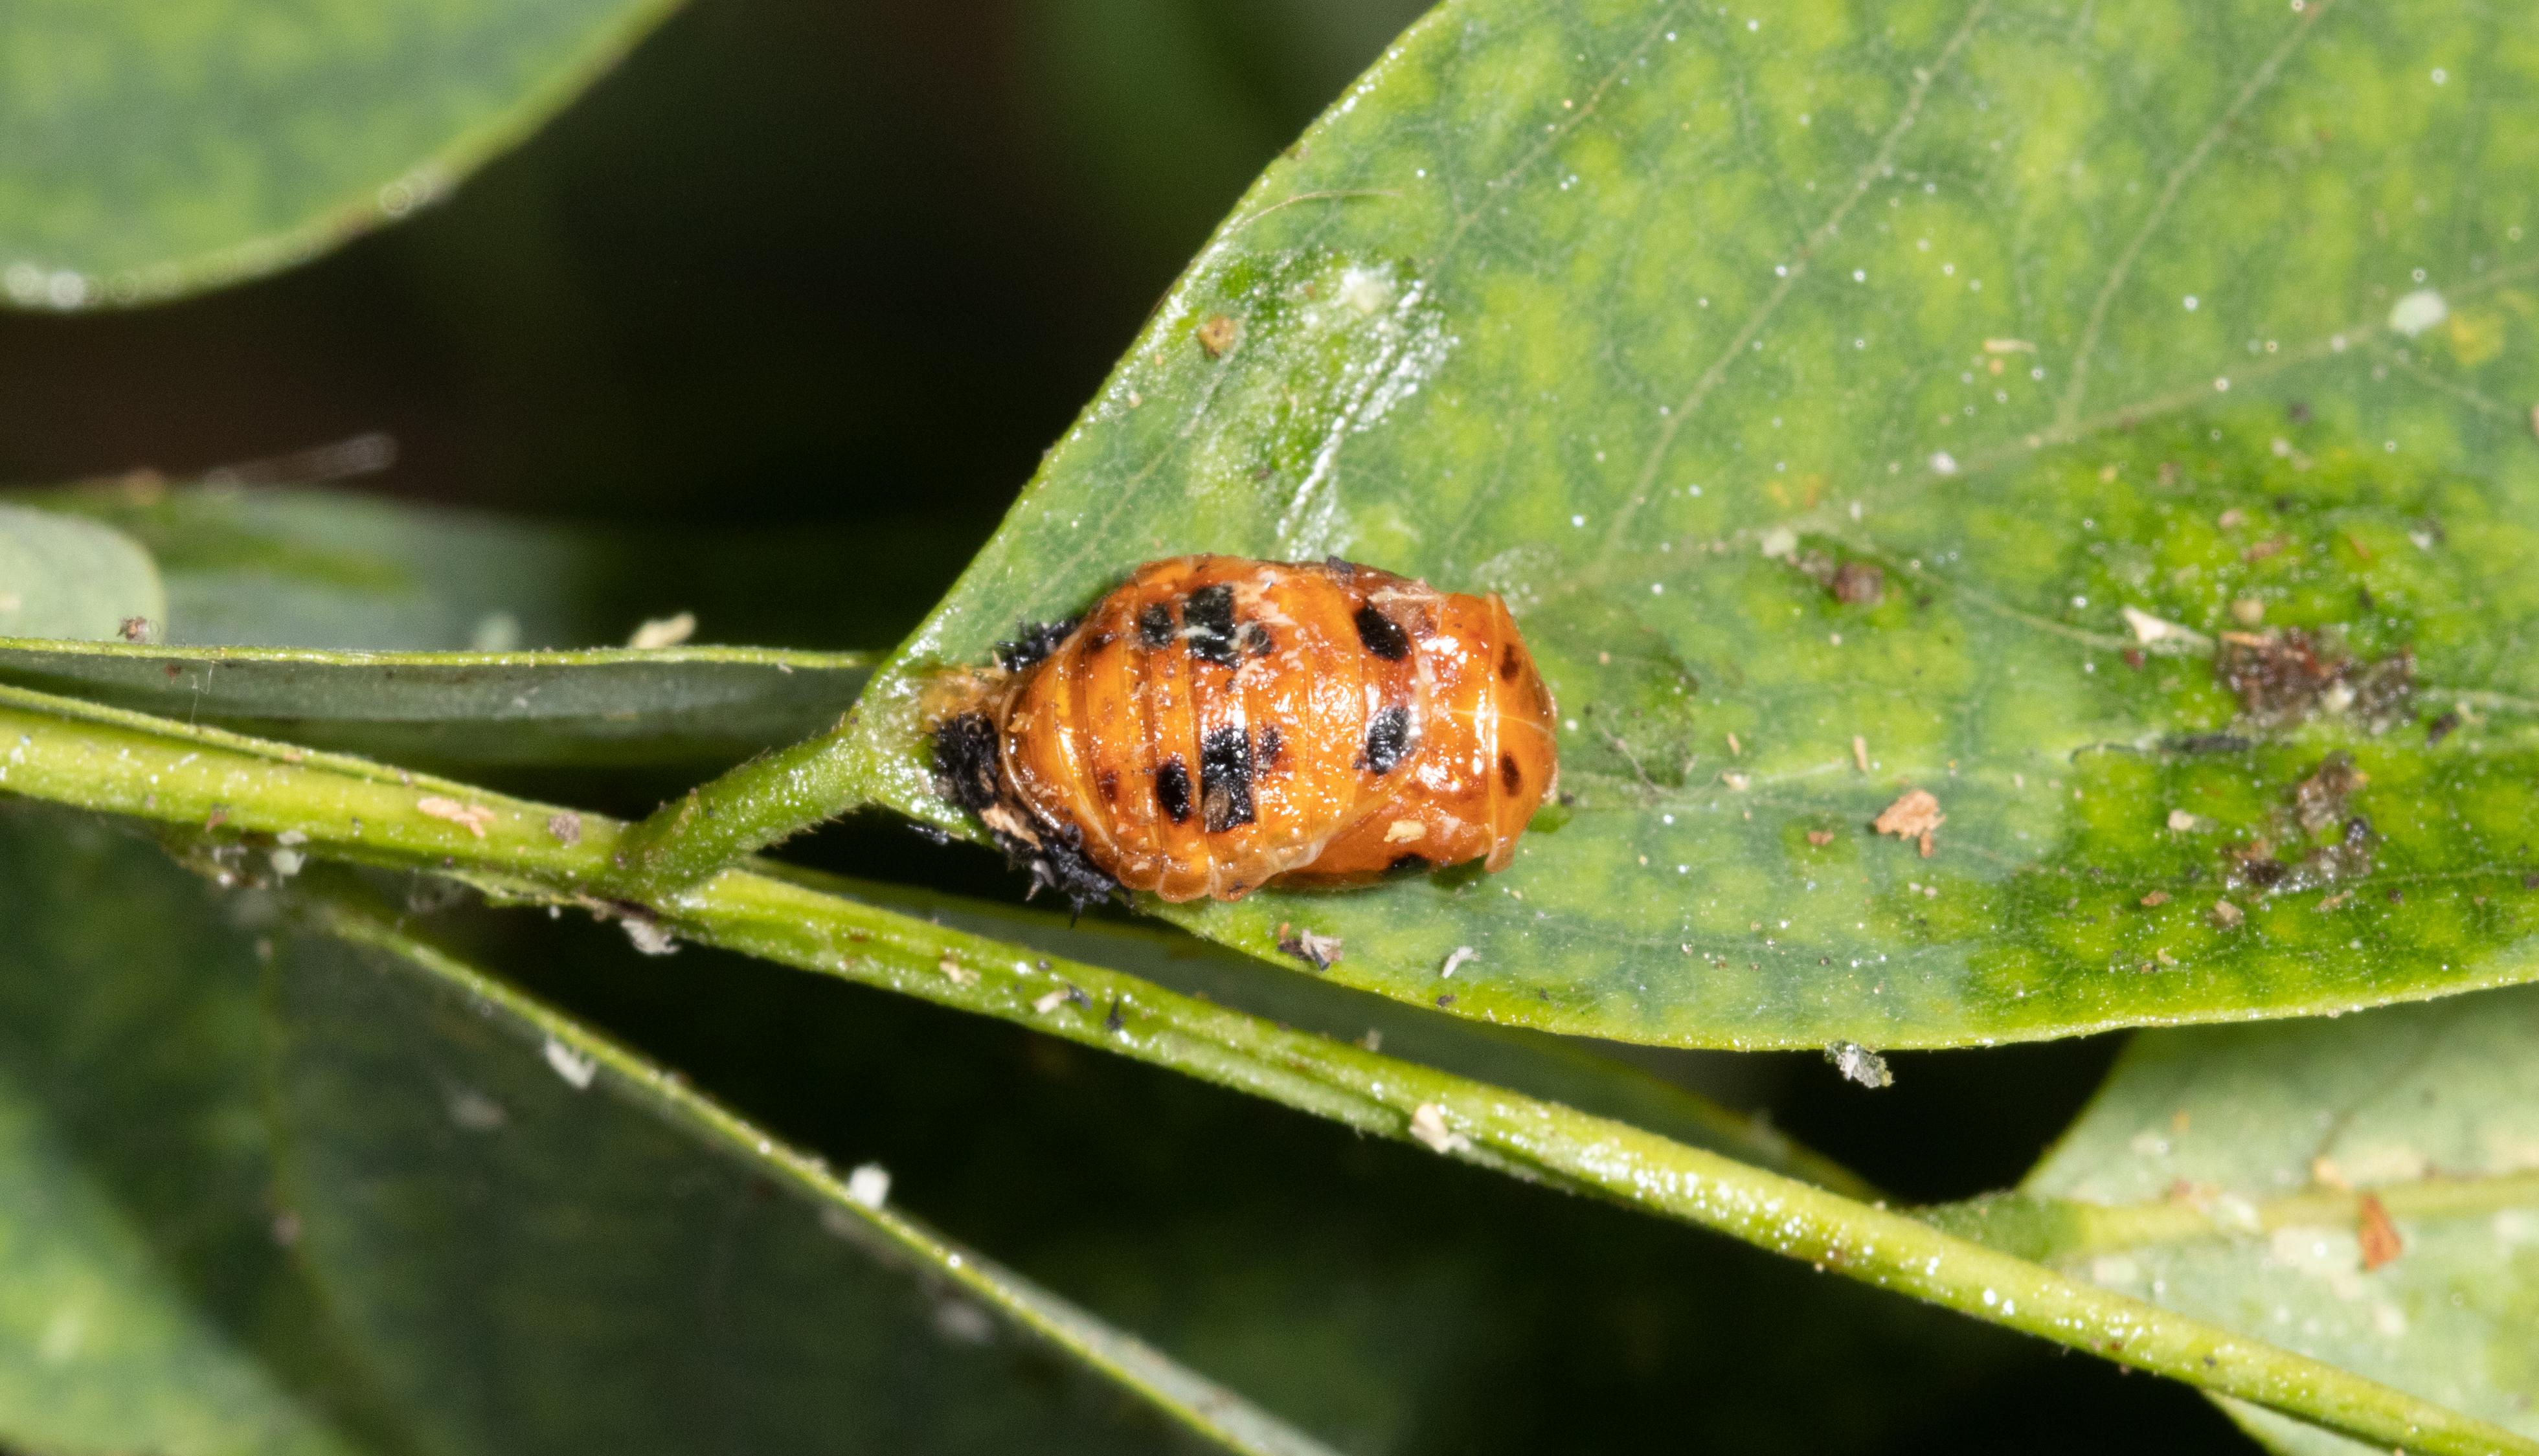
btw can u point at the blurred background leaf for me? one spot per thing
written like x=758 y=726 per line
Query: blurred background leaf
x=459 y=711
x=2232 y=1159
x=62 y=577
x=163 y=146
x=551 y=1245
x=1674 y=327
x=147 y=1297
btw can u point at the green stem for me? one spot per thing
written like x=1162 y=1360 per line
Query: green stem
x=121 y=763
x=733 y=816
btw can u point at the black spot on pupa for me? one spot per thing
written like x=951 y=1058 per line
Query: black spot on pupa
x=1225 y=779
x=966 y=767
x=1341 y=570
x=1207 y=619
x=1107 y=784
x=1273 y=747
x=1508 y=666
x=1407 y=862
x=1511 y=778
x=1097 y=642
x=1381 y=634
x=1251 y=639
x=1155 y=625
x=1388 y=739
x=1173 y=790
x=1036 y=642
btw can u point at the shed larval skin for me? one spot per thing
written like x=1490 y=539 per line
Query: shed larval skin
x=1217 y=723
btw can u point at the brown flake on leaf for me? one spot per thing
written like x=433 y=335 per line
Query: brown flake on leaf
x=473 y=816
x=2318 y=801
x=1852 y=583
x=1216 y=336
x=2342 y=843
x=2284 y=678
x=2228 y=915
x=1321 y=952
x=2155 y=898
x=2378 y=1235
x=1820 y=837
x=1913 y=816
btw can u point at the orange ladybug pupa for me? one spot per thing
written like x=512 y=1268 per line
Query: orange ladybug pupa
x=1216 y=725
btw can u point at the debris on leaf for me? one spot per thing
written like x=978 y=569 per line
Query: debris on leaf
x=576 y=1069
x=1428 y=1125
x=1860 y=752
x=2151 y=631
x=1860 y=1064
x=2228 y=915
x=1914 y=817
x=955 y=972
x=663 y=632
x=1216 y=336
x=135 y=629
x=564 y=827
x=2156 y=898
x=648 y=935
x=2318 y=801
x=1321 y=952
x=2248 y=611
x=1820 y=837
x=2441 y=728
x=475 y=816
x=868 y=1185
x=1455 y=961
x=2181 y=822
x=2376 y=1234
x=2282 y=677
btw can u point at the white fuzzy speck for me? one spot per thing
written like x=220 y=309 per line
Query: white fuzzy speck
x=868 y=1185
x=576 y=1069
x=2418 y=312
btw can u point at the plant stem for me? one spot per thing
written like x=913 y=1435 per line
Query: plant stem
x=106 y=760
x=735 y=815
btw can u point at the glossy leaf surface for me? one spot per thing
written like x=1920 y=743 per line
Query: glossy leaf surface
x=2223 y=1171
x=1859 y=400
x=556 y=1246
x=601 y=705
x=147 y=1301
x=161 y=146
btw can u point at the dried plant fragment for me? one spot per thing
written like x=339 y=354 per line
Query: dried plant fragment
x=1914 y=815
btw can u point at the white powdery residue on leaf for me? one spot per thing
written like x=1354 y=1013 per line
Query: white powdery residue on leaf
x=1859 y=1064
x=1389 y=352
x=2153 y=632
x=2418 y=312
x=1428 y=1125
x=868 y=1185
x=649 y=936
x=576 y=1069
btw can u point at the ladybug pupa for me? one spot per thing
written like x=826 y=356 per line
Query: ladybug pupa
x=1216 y=725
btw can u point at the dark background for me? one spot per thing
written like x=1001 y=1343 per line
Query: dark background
x=813 y=283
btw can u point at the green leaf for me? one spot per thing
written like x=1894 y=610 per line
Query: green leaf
x=163 y=146
x=146 y=1300
x=596 y=707
x=1673 y=326
x=62 y=577
x=555 y=1245
x=2221 y=1172
x=326 y=569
